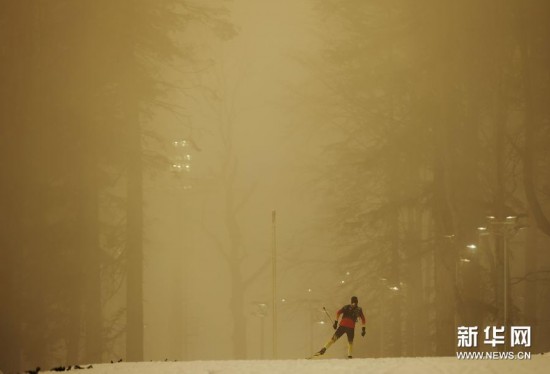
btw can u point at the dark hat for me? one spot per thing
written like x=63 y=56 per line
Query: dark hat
x=354 y=300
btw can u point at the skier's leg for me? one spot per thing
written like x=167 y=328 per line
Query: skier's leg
x=339 y=332
x=331 y=341
x=350 y=333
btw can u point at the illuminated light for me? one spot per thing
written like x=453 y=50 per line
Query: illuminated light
x=309 y=290
x=283 y=300
x=342 y=281
x=482 y=228
x=188 y=157
x=176 y=167
x=465 y=260
x=471 y=246
x=181 y=143
x=348 y=273
x=490 y=217
x=511 y=217
x=394 y=288
x=449 y=236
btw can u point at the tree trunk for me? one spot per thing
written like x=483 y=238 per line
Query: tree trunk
x=16 y=37
x=92 y=267
x=134 y=246
x=530 y=148
x=235 y=260
x=444 y=261
x=237 y=306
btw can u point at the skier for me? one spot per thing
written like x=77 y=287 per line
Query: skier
x=350 y=313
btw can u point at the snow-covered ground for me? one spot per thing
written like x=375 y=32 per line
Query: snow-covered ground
x=420 y=365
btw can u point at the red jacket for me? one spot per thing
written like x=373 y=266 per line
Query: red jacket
x=349 y=315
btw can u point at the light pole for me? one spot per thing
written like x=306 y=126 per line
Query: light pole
x=386 y=289
x=274 y=280
x=310 y=317
x=181 y=168
x=459 y=283
x=503 y=228
x=261 y=312
x=460 y=260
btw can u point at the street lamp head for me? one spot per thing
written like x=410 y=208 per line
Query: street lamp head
x=177 y=168
x=180 y=143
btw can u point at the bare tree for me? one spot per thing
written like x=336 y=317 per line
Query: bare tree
x=221 y=99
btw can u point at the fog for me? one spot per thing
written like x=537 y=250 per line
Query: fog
x=198 y=180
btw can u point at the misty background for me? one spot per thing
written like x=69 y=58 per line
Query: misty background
x=145 y=145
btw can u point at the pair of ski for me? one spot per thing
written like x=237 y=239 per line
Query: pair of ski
x=317 y=355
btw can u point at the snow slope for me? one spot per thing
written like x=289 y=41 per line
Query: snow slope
x=420 y=365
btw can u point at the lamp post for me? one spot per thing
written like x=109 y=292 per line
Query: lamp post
x=459 y=283
x=313 y=319
x=386 y=290
x=274 y=280
x=459 y=261
x=503 y=228
x=261 y=312
x=181 y=168
x=310 y=317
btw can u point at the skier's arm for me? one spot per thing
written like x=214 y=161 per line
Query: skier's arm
x=338 y=313
x=363 y=332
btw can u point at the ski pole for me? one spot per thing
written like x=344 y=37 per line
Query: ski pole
x=328 y=315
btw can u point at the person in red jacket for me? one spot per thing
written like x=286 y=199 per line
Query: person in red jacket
x=350 y=313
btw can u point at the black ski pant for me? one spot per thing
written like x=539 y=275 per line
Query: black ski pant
x=350 y=332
